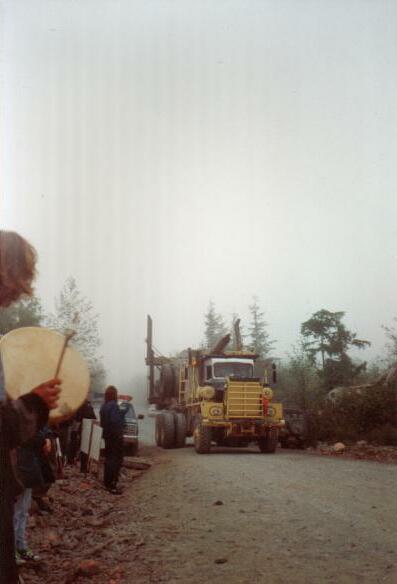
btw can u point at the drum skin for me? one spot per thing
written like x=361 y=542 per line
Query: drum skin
x=30 y=356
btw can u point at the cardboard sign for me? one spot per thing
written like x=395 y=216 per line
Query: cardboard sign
x=96 y=441
x=86 y=432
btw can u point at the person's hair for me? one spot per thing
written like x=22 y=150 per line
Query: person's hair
x=110 y=393
x=17 y=267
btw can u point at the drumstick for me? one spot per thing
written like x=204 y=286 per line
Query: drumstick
x=67 y=338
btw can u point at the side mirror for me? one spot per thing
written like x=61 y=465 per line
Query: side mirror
x=140 y=417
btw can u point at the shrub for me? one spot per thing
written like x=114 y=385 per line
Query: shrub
x=370 y=414
x=383 y=435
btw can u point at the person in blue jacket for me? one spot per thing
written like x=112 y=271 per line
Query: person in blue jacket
x=112 y=422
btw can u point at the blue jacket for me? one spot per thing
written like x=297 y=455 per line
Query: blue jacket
x=112 y=420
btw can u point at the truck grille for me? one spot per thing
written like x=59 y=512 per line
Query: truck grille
x=244 y=400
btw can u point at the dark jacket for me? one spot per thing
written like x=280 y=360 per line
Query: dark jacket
x=19 y=421
x=85 y=411
x=112 y=420
x=30 y=461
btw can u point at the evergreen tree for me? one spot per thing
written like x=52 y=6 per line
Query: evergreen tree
x=26 y=312
x=233 y=340
x=391 y=334
x=259 y=337
x=326 y=336
x=298 y=382
x=214 y=326
x=73 y=311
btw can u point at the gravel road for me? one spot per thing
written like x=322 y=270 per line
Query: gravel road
x=239 y=516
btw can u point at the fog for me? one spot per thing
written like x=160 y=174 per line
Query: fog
x=168 y=153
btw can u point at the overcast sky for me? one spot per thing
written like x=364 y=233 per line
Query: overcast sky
x=166 y=153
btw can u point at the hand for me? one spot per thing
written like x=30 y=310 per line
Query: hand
x=49 y=392
x=47 y=447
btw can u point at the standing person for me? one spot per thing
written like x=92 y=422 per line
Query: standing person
x=21 y=418
x=112 y=422
x=30 y=474
x=46 y=462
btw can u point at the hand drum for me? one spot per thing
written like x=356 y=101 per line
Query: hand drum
x=31 y=355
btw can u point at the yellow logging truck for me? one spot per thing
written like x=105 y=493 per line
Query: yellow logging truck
x=212 y=396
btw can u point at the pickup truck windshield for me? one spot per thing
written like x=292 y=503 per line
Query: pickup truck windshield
x=233 y=369
x=129 y=414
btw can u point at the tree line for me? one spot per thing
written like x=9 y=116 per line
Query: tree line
x=256 y=339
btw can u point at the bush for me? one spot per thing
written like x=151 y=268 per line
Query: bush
x=383 y=435
x=370 y=414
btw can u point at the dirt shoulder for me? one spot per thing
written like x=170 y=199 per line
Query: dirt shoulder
x=85 y=538
x=359 y=451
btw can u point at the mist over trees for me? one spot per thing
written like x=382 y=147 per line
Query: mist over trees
x=259 y=338
x=391 y=345
x=74 y=311
x=215 y=327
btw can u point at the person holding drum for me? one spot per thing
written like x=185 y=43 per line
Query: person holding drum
x=21 y=418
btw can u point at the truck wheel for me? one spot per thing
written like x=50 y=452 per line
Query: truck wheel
x=268 y=444
x=167 y=382
x=180 y=430
x=159 y=430
x=168 y=430
x=202 y=438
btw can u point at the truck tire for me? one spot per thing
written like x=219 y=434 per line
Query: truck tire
x=168 y=432
x=202 y=438
x=159 y=430
x=180 y=430
x=268 y=444
x=168 y=386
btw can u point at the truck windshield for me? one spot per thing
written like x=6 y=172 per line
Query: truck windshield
x=233 y=369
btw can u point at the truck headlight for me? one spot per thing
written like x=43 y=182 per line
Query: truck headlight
x=216 y=411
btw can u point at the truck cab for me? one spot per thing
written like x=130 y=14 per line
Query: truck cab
x=217 y=369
